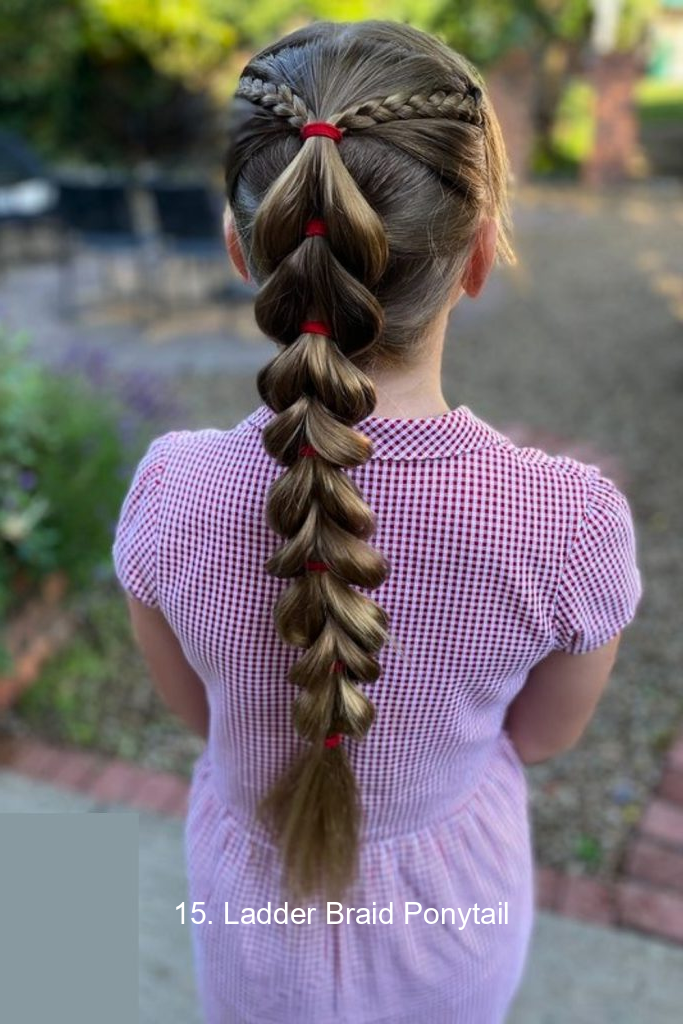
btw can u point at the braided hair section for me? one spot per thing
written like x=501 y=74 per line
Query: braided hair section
x=464 y=104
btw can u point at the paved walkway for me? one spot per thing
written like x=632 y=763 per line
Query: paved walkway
x=576 y=973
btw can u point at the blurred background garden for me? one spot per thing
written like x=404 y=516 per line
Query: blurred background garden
x=121 y=318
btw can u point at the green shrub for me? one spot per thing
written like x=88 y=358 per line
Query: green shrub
x=64 y=468
x=97 y=694
x=659 y=100
x=571 y=138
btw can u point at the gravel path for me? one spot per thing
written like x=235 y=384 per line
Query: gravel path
x=577 y=349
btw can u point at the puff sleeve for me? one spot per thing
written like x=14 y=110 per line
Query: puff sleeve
x=134 y=551
x=600 y=585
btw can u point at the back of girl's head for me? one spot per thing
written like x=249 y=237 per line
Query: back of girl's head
x=396 y=196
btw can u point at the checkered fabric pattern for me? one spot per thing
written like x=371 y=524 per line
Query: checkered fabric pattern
x=499 y=555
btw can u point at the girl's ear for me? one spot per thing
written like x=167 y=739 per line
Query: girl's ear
x=233 y=245
x=481 y=259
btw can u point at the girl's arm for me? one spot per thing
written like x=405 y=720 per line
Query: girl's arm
x=175 y=680
x=550 y=713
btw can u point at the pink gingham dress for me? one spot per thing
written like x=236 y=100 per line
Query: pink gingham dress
x=500 y=554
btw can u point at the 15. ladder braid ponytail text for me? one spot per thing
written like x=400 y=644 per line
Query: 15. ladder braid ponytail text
x=330 y=238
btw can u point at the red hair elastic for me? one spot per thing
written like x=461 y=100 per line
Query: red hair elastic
x=307 y=449
x=315 y=327
x=317 y=566
x=316 y=227
x=321 y=128
x=334 y=740
x=337 y=666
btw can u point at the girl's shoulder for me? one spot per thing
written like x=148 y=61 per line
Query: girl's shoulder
x=181 y=446
x=583 y=525
x=526 y=466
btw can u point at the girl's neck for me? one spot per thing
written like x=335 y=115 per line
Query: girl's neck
x=414 y=390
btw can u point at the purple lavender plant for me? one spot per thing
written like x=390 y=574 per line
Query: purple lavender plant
x=140 y=391
x=27 y=479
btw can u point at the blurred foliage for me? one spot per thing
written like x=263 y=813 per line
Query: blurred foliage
x=662 y=741
x=181 y=38
x=572 y=133
x=634 y=17
x=659 y=100
x=120 y=81
x=83 y=88
x=71 y=434
x=96 y=693
x=555 y=34
x=76 y=696
x=486 y=31
x=66 y=446
x=588 y=850
x=575 y=123
x=61 y=457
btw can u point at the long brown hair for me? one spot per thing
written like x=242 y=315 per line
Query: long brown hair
x=420 y=162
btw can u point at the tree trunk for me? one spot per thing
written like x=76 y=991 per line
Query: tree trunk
x=613 y=76
x=510 y=82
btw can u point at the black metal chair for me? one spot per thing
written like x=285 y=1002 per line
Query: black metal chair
x=189 y=222
x=189 y=216
x=28 y=197
x=98 y=216
x=18 y=160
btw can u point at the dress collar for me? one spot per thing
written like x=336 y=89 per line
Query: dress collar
x=423 y=437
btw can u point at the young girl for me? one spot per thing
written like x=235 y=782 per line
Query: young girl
x=376 y=608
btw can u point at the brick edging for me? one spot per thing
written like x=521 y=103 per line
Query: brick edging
x=647 y=897
x=107 y=780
